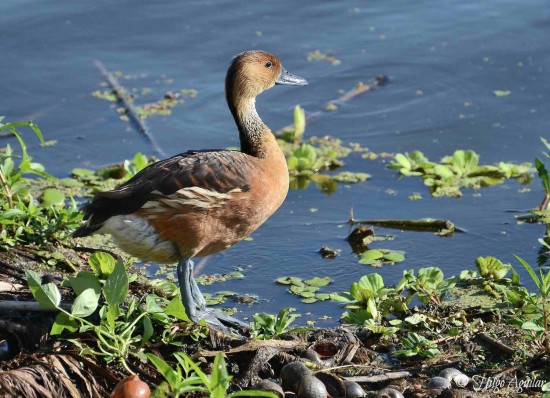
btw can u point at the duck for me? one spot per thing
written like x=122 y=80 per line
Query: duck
x=201 y=202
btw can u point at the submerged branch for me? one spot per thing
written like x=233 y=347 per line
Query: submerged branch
x=120 y=93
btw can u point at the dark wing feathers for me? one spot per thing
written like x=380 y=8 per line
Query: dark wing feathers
x=220 y=171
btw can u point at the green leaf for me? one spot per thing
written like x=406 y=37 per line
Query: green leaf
x=290 y=280
x=83 y=173
x=164 y=369
x=299 y=123
x=11 y=213
x=403 y=161
x=115 y=289
x=543 y=175
x=303 y=291
x=102 y=263
x=219 y=379
x=394 y=257
x=492 y=268
x=350 y=177
x=292 y=163
x=85 y=303
x=85 y=280
x=371 y=256
x=148 y=330
x=309 y=300
x=62 y=322
x=316 y=281
x=534 y=276
x=112 y=314
x=152 y=306
x=502 y=93
x=531 y=326
x=52 y=197
x=176 y=309
x=47 y=295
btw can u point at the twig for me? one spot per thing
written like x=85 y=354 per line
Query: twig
x=379 y=378
x=359 y=89
x=495 y=343
x=120 y=93
x=254 y=345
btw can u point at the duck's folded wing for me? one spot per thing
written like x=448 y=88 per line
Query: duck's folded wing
x=209 y=173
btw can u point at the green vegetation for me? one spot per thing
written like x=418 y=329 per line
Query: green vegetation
x=308 y=160
x=122 y=331
x=26 y=216
x=416 y=345
x=430 y=284
x=186 y=377
x=460 y=170
x=534 y=313
x=370 y=301
x=267 y=326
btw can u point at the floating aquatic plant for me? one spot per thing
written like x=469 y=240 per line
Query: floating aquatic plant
x=460 y=170
x=317 y=55
x=308 y=289
x=309 y=160
x=379 y=257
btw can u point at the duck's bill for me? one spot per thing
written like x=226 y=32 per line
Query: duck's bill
x=288 y=78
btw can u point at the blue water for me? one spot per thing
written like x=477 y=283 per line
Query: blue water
x=455 y=52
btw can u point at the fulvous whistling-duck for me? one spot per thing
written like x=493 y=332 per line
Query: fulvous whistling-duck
x=201 y=202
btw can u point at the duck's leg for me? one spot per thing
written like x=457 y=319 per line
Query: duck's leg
x=192 y=297
x=185 y=274
x=196 y=294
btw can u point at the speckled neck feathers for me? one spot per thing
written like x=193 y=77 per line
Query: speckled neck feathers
x=241 y=98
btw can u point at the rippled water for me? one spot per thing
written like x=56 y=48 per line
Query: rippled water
x=456 y=53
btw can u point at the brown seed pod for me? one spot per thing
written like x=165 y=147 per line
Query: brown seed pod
x=131 y=387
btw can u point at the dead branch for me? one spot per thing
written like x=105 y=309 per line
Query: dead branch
x=122 y=97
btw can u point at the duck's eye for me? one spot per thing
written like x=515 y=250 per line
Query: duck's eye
x=268 y=64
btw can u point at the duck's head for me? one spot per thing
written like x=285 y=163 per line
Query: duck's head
x=253 y=72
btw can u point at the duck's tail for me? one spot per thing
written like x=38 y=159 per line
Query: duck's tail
x=88 y=228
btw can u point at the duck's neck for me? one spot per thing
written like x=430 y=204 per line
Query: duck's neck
x=254 y=135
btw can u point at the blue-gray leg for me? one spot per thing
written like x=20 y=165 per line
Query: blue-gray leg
x=185 y=274
x=192 y=297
